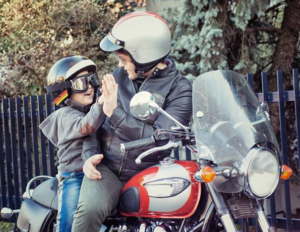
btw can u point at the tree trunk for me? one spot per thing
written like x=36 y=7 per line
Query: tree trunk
x=283 y=59
x=284 y=55
x=286 y=47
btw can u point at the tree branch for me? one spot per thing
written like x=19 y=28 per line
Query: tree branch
x=268 y=42
x=274 y=6
x=265 y=29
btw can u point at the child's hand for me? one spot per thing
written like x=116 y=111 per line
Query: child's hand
x=110 y=92
x=100 y=99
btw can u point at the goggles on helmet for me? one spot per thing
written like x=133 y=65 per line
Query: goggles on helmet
x=81 y=84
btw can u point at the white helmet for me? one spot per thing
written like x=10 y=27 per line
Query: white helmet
x=144 y=35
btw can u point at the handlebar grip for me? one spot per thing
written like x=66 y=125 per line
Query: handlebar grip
x=137 y=144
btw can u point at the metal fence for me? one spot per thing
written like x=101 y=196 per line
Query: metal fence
x=25 y=152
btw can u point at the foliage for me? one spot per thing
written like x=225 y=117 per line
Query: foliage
x=238 y=35
x=35 y=34
x=242 y=36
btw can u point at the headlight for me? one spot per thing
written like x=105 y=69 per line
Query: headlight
x=262 y=172
x=166 y=187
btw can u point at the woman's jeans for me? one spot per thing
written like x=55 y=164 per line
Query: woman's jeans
x=97 y=199
x=68 y=195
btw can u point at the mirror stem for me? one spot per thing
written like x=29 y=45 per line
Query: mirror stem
x=156 y=107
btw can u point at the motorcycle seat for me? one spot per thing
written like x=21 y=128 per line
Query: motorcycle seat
x=46 y=193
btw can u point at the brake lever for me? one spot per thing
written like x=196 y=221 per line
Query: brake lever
x=169 y=133
x=167 y=146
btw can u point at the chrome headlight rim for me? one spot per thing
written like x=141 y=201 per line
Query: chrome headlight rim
x=246 y=168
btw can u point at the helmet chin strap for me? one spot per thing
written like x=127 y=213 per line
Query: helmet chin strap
x=156 y=71
x=140 y=71
x=140 y=74
x=77 y=106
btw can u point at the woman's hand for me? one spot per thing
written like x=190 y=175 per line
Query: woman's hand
x=89 y=167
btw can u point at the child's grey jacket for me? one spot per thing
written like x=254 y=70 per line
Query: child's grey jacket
x=66 y=128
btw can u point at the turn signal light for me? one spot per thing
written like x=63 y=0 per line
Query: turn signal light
x=286 y=172
x=208 y=174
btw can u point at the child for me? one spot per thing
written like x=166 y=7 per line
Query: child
x=72 y=84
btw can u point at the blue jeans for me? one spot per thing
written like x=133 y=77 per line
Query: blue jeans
x=68 y=195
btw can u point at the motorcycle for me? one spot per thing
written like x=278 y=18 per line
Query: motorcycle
x=237 y=166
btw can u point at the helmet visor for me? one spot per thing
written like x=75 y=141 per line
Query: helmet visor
x=81 y=84
x=109 y=43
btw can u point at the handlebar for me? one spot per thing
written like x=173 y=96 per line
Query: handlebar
x=160 y=141
x=155 y=149
x=137 y=144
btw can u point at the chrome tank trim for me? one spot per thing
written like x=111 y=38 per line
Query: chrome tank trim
x=170 y=204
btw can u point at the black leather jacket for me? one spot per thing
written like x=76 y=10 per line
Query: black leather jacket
x=173 y=92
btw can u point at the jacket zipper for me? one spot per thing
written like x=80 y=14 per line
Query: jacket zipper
x=122 y=162
x=144 y=81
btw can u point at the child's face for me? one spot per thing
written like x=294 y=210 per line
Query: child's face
x=85 y=98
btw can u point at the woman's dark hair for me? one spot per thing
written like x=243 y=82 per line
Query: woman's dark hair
x=123 y=51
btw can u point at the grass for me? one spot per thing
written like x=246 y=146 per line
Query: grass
x=6 y=226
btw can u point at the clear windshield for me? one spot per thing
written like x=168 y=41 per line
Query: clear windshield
x=228 y=119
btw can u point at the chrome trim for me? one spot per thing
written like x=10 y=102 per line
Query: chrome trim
x=143 y=227
x=169 y=145
x=168 y=181
x=208 y=218
x=262 y=220
x=244 y=168
x=33 y=180
x=8 y=212
x=228 y=223
x=167 y=161
x=156 y=106
x=182 y=224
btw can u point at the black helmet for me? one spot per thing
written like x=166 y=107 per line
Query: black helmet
x=62 y=78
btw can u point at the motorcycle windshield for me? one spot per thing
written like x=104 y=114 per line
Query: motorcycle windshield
x=228 y=118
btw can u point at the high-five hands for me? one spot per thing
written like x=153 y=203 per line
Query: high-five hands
x=109 y=92
x=108 y=98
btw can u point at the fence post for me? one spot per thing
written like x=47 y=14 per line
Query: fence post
x=297 y=111
x=42 y=136
x=284 y=148
x=21 y=145
x=27 y=138
x=14 y=152
x=7 y=152
x=2 y=165
x=34 y=136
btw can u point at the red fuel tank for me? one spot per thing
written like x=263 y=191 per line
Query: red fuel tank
x=166 y=190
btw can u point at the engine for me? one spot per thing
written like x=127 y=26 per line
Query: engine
x=151 y=226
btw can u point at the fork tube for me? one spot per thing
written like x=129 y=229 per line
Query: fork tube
x=221 y=209
x=262 y=220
